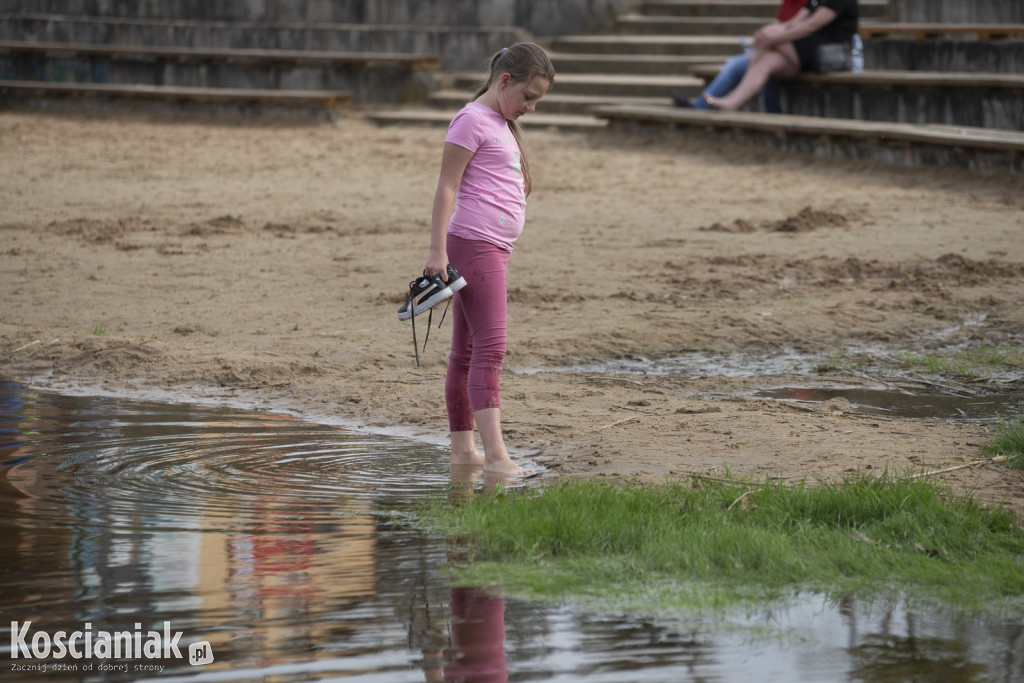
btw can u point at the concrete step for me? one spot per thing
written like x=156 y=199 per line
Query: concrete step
x=688 y=26
x=442 y=117
x=612 y=85
x=644 y=65
x=741 y=8
x=979 y=149
x=460 y=47
x=716 y=46
x=557 y=103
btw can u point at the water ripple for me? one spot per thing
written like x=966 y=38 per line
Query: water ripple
x=184 y=466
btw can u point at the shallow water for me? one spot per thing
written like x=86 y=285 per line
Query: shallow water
x=906 y=403
x=283 y=545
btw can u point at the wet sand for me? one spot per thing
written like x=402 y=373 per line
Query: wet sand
x=261 y=263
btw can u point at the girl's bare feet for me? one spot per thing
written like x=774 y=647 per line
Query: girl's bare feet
x=473 y=458
x=503 y=465
x=715 y=103
x=464 y=450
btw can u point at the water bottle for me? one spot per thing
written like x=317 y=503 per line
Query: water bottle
x=857 y=55
x=747 y=44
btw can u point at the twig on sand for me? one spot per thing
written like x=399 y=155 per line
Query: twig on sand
x=973 y=463
x=635 y=417
x=536 y=424
x=31 y=343
x=22 y=348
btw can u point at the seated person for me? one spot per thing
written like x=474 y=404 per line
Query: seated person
x=730 y=74
x=785 y=50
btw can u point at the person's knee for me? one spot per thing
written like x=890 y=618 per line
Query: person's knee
x=458 y=363
x=769 y=64
x=489 y=356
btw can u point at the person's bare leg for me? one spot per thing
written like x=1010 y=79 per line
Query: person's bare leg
x=780 y=62
x=496 y=458
x=464 y=450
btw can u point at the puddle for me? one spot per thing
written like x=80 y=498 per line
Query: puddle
x=279 y=543
x=904 y=403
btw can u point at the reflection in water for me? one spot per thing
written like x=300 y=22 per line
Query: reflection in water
x=283 y=545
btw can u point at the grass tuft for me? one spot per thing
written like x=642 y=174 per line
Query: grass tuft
x=1009 y=441
x=712 y=544
x=975 y=363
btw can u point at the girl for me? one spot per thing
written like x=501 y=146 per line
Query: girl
x=484 y=168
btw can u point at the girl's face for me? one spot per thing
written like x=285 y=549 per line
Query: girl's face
x=516 y=99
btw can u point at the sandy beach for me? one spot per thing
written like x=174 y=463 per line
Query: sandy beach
x=261 y=263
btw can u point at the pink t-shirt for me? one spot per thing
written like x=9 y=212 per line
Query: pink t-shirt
x=491 y=202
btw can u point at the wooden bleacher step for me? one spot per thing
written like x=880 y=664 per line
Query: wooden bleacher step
x=740 y=8
x=325 y=102
x=981 y=149
x=554 y=103
x=415 y=62
x=410 y=116
x=925 y=31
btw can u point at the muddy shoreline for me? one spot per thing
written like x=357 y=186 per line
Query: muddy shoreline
x=260 y=264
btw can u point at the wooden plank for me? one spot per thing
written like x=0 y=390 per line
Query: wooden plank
x=923 y=31
x=897 y=78
x=318 y=98
x=414 y=61
x=814 y=125
x=939 y=79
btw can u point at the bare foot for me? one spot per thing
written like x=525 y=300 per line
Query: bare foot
x=504 y=465
x=473 y=458
x=715 y=103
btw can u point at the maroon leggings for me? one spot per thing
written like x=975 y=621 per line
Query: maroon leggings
x=478 y=330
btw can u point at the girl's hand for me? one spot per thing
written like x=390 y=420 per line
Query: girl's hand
x=768 y=35
x=437 y=264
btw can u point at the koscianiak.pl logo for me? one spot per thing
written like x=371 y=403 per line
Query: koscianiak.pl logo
x=144 y=650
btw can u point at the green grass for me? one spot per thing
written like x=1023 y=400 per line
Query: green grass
x=838 y=361
x=100 y=330
x=681 y=546
x=1009 y=441
x=975 y=362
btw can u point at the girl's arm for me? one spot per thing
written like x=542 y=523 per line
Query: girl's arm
x=801 y=26
x=776 y=26
x=453 y=164
x=799 y=17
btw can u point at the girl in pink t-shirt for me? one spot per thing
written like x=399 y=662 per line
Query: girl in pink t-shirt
x=483 y=167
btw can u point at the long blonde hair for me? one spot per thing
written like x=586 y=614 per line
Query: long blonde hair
x=524 y=62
